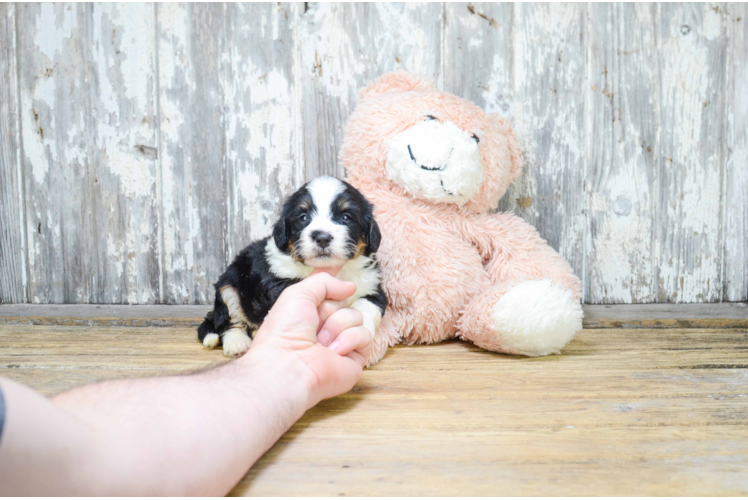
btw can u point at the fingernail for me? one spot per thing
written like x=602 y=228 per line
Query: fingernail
x=335 y=345
x=324 y=337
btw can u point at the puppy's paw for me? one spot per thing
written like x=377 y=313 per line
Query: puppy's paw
x=211 y=340
x=236 y=342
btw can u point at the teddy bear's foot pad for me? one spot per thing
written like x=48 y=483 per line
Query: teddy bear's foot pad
x=537 y=318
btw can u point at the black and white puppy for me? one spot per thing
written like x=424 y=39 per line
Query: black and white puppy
x=326 y=223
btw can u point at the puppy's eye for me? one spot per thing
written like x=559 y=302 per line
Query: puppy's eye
x=304 y=218
x=476 y=138
x=430 y=117
x=346 y=218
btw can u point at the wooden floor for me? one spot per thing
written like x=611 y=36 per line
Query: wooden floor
x=637 y=411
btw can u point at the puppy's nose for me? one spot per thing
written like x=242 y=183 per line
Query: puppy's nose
x=322 y=239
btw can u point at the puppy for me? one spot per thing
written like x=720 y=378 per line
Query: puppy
x=326 y=223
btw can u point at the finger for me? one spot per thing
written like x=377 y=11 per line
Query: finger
x=332 y=271
x=359 y=357
x=319 y=287
x=327 y=308
x=340 y=320
x=352 y=339
x=346 y=371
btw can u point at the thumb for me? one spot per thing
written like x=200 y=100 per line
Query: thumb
x=332 y=271
x=322 y=287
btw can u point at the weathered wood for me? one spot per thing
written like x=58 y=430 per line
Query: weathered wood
x=124 y=188
x=735 y=156
x=527 y=62
x=549 y=114
x=478 y=55
x=104 y=315
x=191 y=42
x=725 y=315
x=666 y=408
x=56 y=132
x=692 y=65
x=623 y=96
x=155 y=141
x=345 y=46
x=12 y=239
x=90 y=177
x=262 y=118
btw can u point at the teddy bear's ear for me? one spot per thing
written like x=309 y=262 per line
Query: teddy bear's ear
x=396 y=81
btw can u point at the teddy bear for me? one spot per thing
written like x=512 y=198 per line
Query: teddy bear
x=435 y=166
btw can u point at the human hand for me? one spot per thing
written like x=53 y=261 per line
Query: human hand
x=289 y=335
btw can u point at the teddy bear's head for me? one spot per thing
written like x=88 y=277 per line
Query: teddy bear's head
x=414 y=140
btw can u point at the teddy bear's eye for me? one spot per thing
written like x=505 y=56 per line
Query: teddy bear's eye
x=476 y=138
x=430 y=117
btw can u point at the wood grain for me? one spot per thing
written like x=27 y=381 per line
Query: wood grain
x=262 y=118
x=478 y=54
x=194 y=196
x=549 y=88
x=345 y=46
x=622 y=180
x=735 y=155
x=142 y=146
x=55 y=127
x=91 y=188
x=725 y=315
x=620 y=412
x=12 y=234
x=692 y=63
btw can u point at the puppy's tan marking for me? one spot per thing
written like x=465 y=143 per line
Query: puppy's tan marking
x=360 y=248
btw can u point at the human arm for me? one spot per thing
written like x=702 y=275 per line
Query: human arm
x=187 y=434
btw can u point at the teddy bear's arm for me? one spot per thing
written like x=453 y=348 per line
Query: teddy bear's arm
x=512 y=251
x=533 y=307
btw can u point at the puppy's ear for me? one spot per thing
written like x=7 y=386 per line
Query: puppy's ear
x=371 y=233
x=280 y=235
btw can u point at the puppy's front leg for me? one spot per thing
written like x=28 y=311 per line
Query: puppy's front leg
x=235 y=339
x=371 y=311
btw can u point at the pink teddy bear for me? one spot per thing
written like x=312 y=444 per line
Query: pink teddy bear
x=434 y=165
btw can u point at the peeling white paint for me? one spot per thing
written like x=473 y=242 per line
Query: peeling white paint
x=712 y=28
x=53 y=25
x=495 y=101
x=690 y=268
x=650 y=213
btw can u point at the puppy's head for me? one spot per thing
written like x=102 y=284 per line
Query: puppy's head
x=326 y=223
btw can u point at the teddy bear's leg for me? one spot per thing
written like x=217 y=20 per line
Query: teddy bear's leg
x=528 y=317
x=388 y=334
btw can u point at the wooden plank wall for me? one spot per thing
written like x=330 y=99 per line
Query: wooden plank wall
x=143 y=145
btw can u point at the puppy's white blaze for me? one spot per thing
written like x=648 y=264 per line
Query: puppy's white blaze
x=372 y=314
x=234 y=305
x=450 y=152
x=360 y=270
x=324 y=191
x=283 y=265
x=211 y=340
x=235 y=342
